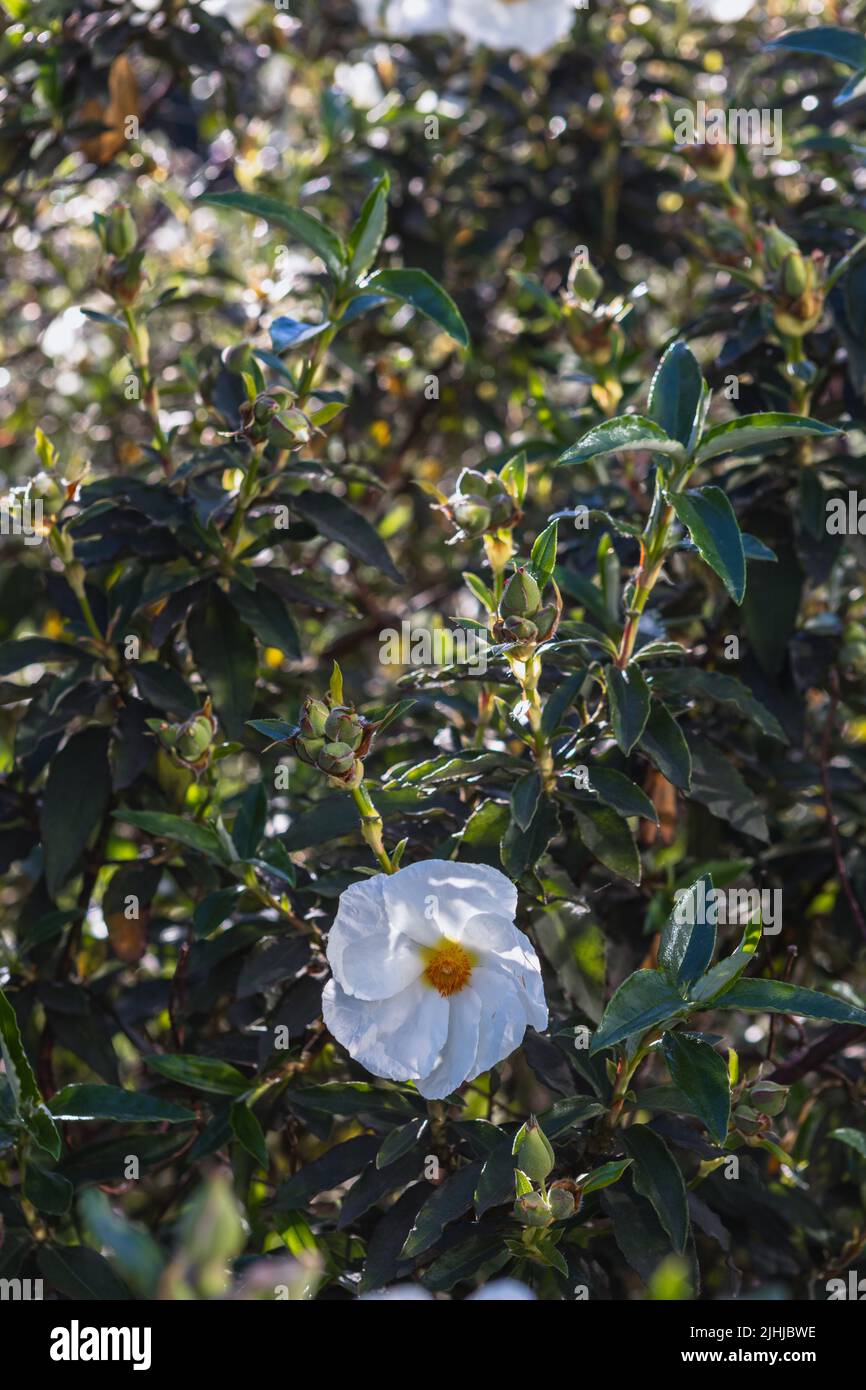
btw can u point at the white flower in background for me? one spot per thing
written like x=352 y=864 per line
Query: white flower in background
x=500 y=1291
x=532 y=26
x=723 y=11
x=404 y=18
x=432 y=982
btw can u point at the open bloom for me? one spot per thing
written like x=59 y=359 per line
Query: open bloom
x=530 y=26
x=432 y=982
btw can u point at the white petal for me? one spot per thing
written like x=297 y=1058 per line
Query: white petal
x=458 y=1055
x=532 y=26
x=521 y=963
x=367 y=957
x=503 y=1016
x=400 y=1038
x=503 y=1290
x=437 y=898
x=492 y=931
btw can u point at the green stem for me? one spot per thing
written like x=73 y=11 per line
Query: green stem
x=371 y=827
x=140 y=355
x=541 y=747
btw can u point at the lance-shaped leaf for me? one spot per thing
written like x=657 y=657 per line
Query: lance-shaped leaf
x=664 y=744
x=701 y=1074
x=715 y=531
x=543 y=557
x=676 y=394
x=688 y=940
x=827 y=41
x=779 y=997
x=629 y=700
x=722 y=975
x=658 y=1178
x=368 y=231
x=29 y=1105
x=750 y=430
x=419 y=289
x=621 y=434
x=645 y=999
x=607 y=836
x=301 y=225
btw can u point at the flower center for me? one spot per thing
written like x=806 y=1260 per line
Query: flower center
x=448 y=966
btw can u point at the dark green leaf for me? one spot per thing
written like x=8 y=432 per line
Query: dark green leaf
x=658 y=1178
x=676 y=393
x=618 y=791
x=80 y=1274
x=333 y=518
x=451 y=1199
x=715 y=531
x=778 y=997
x=629 y=699
x=73 y=804
x=89 y=1102
x=167 y=827
x=524 y=799
x=623 y=433
x=201 y=1073
x=607 y=836
x=642 y=1001
x=688 y=940
x=368 y=231
x=701 y=1074
x=419 y=289
x=225 y=654
x=664 y=744
x=248 y=1132
x=750 y=430
x=302 y=226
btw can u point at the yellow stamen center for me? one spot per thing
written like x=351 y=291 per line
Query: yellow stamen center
x=448 y=966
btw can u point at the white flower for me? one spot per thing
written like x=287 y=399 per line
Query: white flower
x=403 y=18
x=500 y=1291
x=532 y=26
x=432 y=982
x=723 y=11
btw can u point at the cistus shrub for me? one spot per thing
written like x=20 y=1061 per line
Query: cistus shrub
x=432 y=642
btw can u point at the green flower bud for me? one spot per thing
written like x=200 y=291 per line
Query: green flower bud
x=796 y=276
x=118 y=230
x=533 y=1210
x=521 y=597
x=768 y=1097
x=777 y=245
x=314 y=717
x=194 y=740
x=471 y=514
x=564 y=1199
x=342 y=726
x=533 y=1148
x=584 y=280
x=264 y=409
x=336 y=759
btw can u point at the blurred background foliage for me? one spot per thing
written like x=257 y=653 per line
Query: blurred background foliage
x=500 y=164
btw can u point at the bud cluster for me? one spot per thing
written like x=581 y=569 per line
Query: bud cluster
x=522 y=619
x=594 y=329
x=536 y=1161
x=481 y=504
x=334 y=738
x=191 y=743
x=272 y=419
x=120 y=274
x=794 y=282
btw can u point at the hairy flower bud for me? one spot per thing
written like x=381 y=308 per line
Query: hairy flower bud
x=564 y=1197
x=533 y=1210
x=777 y=245
x=534 y=1151
x=768 y=1097
x=521 y=597
x=190 y=743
